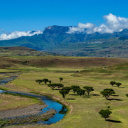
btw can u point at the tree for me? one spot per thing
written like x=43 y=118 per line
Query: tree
x=112 y=82
x=107 y=92
x=45 y=81
x=61 y=79
x=55 y=85
x=105 y=113
x=67 y=88
x=38 y=81
x=80 y=92
x=108 y=107
x=118 y=84
x=52 y=86
x=50 y=81
x=64 y=92
x=88 y=89
x=75 y=88
x=60 y=85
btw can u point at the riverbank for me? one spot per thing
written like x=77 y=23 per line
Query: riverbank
x=62 y=101
x=34 y=113
x=27 y=119
x=30 y=110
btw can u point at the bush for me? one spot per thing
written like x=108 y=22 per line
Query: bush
x=105 y=113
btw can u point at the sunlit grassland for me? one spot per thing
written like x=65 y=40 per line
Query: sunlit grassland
x=8 y=102
x=85 y=109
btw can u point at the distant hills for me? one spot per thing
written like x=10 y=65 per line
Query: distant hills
x=55 y=39
x=21 y=51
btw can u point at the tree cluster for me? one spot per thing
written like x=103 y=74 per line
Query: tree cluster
x=46 y=80
x=54 y=85
x=115 y=83
x=76 y=89
x=43 y=80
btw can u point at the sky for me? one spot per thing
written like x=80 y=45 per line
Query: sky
x=28 y=15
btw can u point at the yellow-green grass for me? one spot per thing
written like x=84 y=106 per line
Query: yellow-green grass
x=85 y=109
x=8 y=102
x=5 y=70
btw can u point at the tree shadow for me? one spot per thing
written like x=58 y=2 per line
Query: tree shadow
x=86 y=96
x=121 y=87
x=115 y=95
x=63 y=110
x=115 y=99
x=70 y=98
x=114 y=121
x=57 y=89
x=74 y=94
x=95 y=95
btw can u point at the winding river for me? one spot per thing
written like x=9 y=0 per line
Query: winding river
x=51 y=104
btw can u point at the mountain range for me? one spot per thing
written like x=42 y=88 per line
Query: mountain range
x=55 y=39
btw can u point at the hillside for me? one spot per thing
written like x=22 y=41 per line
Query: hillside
x=58 y=62
x=20 y=51
x=55 y=39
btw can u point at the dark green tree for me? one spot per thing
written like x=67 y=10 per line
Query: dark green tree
x=112 y=82
x=67 y=88
x=75 y=88
x=60 y=85
x=88 y=89
x=64 y=92
x=105 y=113
x=108 y=107
x=39 y=81
x=80 y=92
x=49 y=81
x=118 y=84
x=61 y=79
x=54 y=85
x=45 y=81
x=107 y=92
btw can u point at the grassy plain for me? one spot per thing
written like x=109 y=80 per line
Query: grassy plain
x=85 y=109
x=8 y=102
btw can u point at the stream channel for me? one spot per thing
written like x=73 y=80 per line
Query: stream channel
x=51 y=104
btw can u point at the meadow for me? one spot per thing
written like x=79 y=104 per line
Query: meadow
x=95 y=73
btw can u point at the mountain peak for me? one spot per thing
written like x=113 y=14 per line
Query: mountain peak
x=56 y=29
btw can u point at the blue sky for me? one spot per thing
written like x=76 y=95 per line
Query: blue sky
x=24 y=15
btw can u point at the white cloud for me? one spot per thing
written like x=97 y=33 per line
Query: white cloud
x=112 y=24
x=102 y=29
x=115 y=23
x=88 y=27
x=18 y=34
